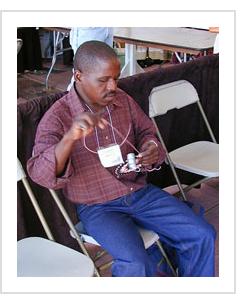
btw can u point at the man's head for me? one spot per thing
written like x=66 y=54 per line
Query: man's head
x=96 y=70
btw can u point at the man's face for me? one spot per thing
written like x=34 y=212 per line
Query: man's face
x=98 y=86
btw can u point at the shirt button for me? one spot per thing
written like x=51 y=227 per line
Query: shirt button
x=106 y=137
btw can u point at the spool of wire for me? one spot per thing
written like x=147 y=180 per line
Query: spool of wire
x=131 y=160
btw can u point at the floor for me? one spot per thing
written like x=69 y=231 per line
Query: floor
x=31 y=84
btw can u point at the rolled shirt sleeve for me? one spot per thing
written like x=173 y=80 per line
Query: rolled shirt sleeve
x=41 y=166
x=42 y=169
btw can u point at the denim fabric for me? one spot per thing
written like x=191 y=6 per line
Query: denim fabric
x=113 y=225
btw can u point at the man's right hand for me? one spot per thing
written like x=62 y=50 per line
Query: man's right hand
x=84 y=124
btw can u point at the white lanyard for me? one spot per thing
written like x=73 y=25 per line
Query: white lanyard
x=113 y=129
x=111 y=124
x=111 y=155
x=96 y=132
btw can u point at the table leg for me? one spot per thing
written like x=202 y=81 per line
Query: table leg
x=131 y=66
x=57 y=39
x=55 y=43
x=179 y=58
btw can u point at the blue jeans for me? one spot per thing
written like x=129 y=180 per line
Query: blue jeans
x=113 y=225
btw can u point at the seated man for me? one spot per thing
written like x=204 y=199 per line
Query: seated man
x=82 y=144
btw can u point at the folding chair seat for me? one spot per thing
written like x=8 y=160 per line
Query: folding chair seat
x=149 y=237
x=40 y=257
x=201 y=157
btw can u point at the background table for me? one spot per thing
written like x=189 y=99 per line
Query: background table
x=175 y=39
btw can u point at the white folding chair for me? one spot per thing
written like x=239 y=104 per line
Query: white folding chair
x=40 y=257
x=149 y=237
x=201 y=157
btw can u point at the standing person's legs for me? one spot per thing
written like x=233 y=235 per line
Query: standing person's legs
x=117 y=233
x=109 y=36
x=179 y=227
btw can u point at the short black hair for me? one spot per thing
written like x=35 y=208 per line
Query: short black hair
x=89 y=52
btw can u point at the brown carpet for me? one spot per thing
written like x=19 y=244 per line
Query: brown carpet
x=31 y=84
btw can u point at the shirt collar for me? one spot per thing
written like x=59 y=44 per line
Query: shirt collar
x=77 y=104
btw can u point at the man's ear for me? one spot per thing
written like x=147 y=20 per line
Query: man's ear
x=77 y=75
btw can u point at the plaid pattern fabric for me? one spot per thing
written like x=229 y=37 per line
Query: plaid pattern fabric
x=85 y=180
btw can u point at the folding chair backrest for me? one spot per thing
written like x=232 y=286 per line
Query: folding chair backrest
x=174 y=95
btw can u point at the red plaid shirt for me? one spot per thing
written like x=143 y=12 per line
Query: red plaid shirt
x=85 y=180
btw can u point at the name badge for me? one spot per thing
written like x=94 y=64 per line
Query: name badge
x=110 y=156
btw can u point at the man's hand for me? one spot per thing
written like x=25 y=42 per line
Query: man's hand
x=84 y=124
x=149 y=154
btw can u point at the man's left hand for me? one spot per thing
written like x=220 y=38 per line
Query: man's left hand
x=149 y=154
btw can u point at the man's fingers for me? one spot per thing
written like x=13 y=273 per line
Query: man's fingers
x=83 y=125
x=91 y=121
x=147 y=153
x=102 y=123
x=148 y=157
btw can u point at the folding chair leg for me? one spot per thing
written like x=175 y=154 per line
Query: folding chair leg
x=105 y=266
x=196 y=183
x=71 y=226
x=188 y=188
x=170 y=161
x=181 y=190
x=99 y=254
x=37 y=209
x=166 y=257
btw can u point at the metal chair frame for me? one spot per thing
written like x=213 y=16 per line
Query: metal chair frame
x=176 y=98
x=21 y=176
